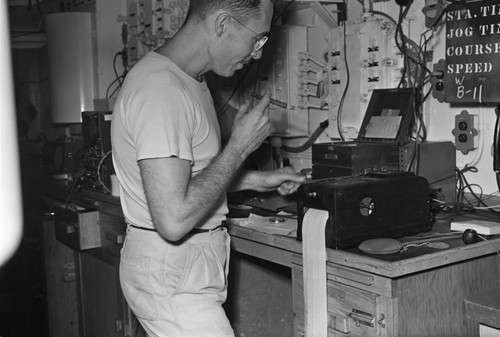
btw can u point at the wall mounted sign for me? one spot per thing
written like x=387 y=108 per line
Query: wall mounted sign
x=472 y=73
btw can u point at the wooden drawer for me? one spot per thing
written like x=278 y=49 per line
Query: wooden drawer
x=352 y=310
x=78 y=228
x=359 y=279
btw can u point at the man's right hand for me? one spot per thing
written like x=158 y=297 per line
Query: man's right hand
x=251 y=127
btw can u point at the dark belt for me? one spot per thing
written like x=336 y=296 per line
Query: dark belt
x=193 y=231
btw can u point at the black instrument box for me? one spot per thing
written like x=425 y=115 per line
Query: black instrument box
x=377 y=205
x=353 y=158
x=386 y=125
x=96 y=129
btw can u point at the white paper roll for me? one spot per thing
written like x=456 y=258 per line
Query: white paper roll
x=314 y=272
x=115 y=185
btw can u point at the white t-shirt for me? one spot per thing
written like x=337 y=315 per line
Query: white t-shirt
x=162 y=112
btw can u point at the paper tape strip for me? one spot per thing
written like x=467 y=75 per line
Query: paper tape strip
x=314 y=272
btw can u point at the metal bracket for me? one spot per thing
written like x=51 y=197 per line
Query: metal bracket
x=437 y=77
x=465 y=132
x=362 y=317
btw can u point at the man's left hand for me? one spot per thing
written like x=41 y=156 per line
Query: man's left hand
x=285 y=180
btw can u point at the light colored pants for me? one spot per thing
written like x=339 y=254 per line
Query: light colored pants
x=177 y=290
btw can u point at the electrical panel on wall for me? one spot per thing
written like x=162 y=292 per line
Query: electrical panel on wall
x=280 y=70
x=373 y=62
x=150 y=23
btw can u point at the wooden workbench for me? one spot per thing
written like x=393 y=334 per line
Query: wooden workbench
x=484 y=308
x=416 y=293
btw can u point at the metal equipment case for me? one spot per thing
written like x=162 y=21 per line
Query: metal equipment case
x=379 y=205
x=386 y=125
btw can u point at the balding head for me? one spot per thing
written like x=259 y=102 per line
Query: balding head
x=241 y=9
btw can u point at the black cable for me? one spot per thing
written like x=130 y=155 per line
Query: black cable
x=344 y=93
x=114 y=91
x=464 y=184
x=386 y=16
x=420 y=68
x=108 y=95
x=114 y=67
x=404 y=38
x=421 y=131
x=319 y=130
x=402 y=46
x=496 y=146
x=118 y=77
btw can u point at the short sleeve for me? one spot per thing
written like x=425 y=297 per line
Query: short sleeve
x=164 y=122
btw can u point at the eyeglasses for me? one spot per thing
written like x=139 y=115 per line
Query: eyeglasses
x=259 y=41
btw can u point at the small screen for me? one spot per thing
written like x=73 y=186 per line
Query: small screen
x=383 y=127
x=388 y=115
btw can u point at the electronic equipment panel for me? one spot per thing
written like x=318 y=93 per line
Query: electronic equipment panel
x=96 y=154
x=386 y=125
x=382 y=205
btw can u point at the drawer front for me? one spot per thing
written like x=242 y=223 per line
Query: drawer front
x=78 y=229
x=352 y=311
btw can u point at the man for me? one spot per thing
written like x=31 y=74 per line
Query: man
x=173 y=174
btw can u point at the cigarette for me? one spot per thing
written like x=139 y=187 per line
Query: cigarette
x=273 y=101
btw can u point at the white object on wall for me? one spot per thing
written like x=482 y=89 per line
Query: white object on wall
x=11 y=227
x=72 y=65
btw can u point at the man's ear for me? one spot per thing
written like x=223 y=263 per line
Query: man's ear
x=221 y=22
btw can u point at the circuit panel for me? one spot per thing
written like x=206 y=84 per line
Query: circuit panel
x=280 y=70
x=150 y=23
x=373 y=62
